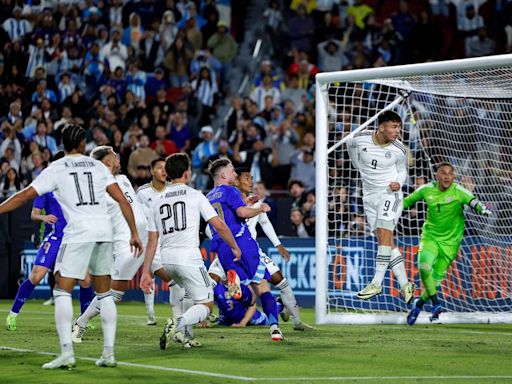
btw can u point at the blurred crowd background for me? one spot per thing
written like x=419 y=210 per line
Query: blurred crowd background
x=212 y=78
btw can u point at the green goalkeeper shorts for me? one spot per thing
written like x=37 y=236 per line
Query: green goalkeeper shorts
x=438 y=257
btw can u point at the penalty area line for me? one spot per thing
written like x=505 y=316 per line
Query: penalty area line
x=137 y=365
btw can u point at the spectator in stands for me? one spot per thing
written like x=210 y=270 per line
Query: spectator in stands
x=359 y=11
x=297 y=192
x=297 y=220
x=42 y=138
x=132 y=34
x=301 y=30
x=273 y=19
x=403 y=23
x=283 y=143
x=480 y=45
x=426 y=40
x=115 y=52
x=331 y=56
x=177 y=59
x=136 y=81
x=357 y=227
x=303 y=167
x=37 y=161
x=10 y=184
x=142 y=156
x=338 y=211
x=16 y=26
x=204 y=150
x=151 y=53
x=309 y=211
x=205 y=89
x=468 y=22
x=266 y=89
x=294 y=93
x=223 y=47
x=180 y=132
x=162 y=145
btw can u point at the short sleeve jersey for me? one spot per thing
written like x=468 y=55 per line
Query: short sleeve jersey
x=379 y=165
x=51 y=206
x=80 y=185
x=445 y=211
x=147 y=195
x=176 y=216
x=226 y=199
x=119 y=224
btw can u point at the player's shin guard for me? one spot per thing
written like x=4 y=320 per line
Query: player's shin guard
x=108 y=312
x=397 y=265
x=269 y=307
x=381 y=264
x=86 y=296
x=193 y=315
x=63 y=318
x=288 y=299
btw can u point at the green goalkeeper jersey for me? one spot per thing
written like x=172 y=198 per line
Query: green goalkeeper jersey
x=445 y=217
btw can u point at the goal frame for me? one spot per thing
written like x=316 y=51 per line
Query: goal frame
x=321 y=121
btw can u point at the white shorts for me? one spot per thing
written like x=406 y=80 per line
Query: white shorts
x=157 y=261
x=126 y=264
x=194 y=279
x=75 y=259
x=216 y=269
x=386 y=206
x=269 y=263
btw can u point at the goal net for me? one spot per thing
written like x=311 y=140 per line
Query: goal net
x=459 y=112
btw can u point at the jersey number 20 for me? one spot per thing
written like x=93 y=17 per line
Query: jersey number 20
x=178 y=213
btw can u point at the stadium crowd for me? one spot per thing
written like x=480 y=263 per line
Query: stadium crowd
x=147 y=77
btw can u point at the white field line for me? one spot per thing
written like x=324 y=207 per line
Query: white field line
x=273 y=379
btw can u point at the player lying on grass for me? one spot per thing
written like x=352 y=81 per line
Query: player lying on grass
x=54 y=223
x=441 y=234
x=236 y=313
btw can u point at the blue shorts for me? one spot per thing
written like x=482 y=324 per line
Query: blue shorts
x=250 y=268
x=48 y=250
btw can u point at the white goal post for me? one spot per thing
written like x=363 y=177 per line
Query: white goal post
x=458 y=111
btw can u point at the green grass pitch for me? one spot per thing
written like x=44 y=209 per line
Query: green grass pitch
x=345 y=354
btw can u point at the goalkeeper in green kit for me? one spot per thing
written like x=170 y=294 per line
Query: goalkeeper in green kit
x=441 y=234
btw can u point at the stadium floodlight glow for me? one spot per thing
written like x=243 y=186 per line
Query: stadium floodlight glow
x=458 y=111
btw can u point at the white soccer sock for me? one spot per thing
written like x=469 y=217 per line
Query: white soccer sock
x=187 y=304
x=194 y=315
x=149 y=299
x=92 y=310
x=63 y=319
x=381 y=264
x=289 y=300
x=397 y=265
x=108 y=312
x=176 y=300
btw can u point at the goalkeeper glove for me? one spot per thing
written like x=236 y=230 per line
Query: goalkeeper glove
x=485 y=211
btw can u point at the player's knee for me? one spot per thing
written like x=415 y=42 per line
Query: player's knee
x=276 y=278
x=386 y=225
x=36 y=276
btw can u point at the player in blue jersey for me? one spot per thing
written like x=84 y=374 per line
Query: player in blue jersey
x=54 y=223
x=235 y=313
x=249 y=269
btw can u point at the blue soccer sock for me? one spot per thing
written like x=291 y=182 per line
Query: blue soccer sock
x=86 y=296
x=269 y=307
x=246 y=298
x=24 y=292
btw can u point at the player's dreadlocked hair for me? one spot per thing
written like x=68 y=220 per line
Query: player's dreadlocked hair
x=72 y=136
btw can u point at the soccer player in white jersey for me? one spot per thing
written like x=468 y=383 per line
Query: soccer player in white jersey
x=125 y=265
x=80 y=184
x=245 y=185
x=381 y=160
x=175 y=219
x=147 y=194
